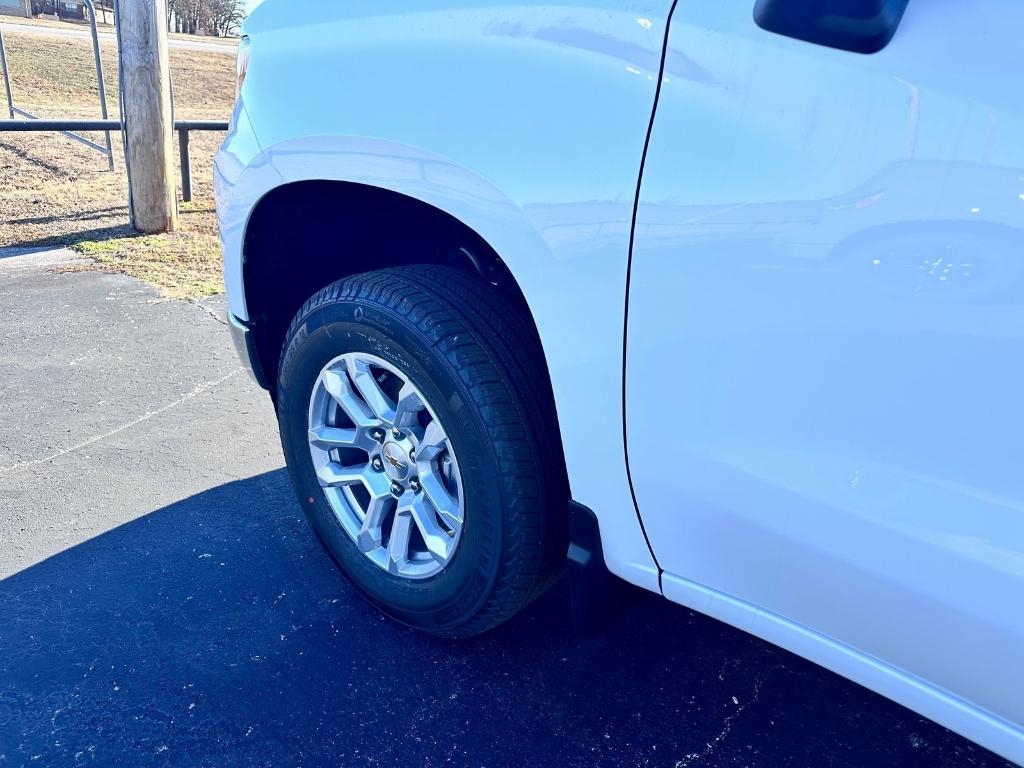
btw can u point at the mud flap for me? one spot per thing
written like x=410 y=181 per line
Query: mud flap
x=597 y=597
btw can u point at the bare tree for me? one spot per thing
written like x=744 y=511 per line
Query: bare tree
x=225 y=16
x=217 y=17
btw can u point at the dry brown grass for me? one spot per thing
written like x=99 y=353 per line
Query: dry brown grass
x=54 y=191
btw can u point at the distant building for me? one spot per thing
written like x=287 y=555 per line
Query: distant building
x=71 y=9
x=16 y=7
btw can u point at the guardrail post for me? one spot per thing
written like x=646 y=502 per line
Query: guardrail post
x=7 y=77
x=99 y=77
x=186 y=166
x=146 y=89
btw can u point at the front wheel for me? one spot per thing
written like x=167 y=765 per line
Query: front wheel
x=419 y=431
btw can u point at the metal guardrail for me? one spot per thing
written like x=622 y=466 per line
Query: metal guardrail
x=14 y=111
x=183 y=128
x=59 y=126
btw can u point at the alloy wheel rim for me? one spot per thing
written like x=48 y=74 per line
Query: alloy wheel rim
x=386 y=466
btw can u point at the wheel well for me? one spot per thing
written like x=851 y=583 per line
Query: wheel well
x=304 y=236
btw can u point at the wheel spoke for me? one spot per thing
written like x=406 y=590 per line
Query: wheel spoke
x=444 y=502
x=380 y=404
x=334 y=475
x=433 y=442
x=339 y=387
x=335 y=437
x=371 y=534
x=376 y=483
x=409 y=405
x=434 y=536
x=398 y=544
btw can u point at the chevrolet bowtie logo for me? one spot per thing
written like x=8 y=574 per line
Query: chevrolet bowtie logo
x=393 y=461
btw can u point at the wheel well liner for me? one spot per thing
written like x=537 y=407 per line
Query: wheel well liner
x=305 y=235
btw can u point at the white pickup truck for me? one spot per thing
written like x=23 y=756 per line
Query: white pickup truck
x=739 y=282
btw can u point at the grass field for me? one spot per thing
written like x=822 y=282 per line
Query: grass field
x=54 y=191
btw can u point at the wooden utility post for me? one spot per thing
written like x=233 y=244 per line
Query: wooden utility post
x=149 y=127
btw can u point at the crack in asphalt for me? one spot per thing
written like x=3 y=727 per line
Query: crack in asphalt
x=196 y=391
x=696 y=757
x=215 y=315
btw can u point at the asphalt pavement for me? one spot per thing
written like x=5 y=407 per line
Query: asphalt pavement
x=163 y=601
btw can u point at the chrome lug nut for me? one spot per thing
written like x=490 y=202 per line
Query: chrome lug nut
x=397 y=434
x=378 y=435
x=414 y=484
x=378 y=464
x=397 y=489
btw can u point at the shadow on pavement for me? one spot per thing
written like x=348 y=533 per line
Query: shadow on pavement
x=215 y=632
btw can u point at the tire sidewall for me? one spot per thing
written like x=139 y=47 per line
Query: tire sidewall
x=454 y=595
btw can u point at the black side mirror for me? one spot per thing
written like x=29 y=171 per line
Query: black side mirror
x=862 y=26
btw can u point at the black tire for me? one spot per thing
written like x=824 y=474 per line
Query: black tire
x=480 y=365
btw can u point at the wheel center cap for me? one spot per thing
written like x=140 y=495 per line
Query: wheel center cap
x=396 y=461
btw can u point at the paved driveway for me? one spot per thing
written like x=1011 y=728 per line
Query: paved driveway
x=162 y=600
